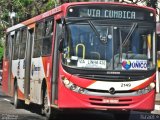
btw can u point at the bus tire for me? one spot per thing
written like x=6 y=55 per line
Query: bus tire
x=17 y=103
x=46 y=108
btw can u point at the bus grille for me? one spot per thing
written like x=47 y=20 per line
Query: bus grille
x=109 y=104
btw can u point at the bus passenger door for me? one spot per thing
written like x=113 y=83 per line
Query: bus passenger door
x=28 y=67
x=10 y=42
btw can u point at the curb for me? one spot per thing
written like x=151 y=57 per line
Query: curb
x=157 y=99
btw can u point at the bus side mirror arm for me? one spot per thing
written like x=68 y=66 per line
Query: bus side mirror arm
x=63 y=21
x=61 y=40
x=61 y=45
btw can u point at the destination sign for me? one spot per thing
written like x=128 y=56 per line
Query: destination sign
x=108 y=13
x=111 y=12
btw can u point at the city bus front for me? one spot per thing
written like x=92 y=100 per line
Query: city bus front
x=108 y=58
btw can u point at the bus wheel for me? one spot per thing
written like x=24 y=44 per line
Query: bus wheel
x=16 y=101
x=46 y=108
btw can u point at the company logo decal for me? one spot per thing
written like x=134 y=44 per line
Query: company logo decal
x=18 y=69
x=35 y=69
x=134 y=64
x=32 y=69
x=126 y=64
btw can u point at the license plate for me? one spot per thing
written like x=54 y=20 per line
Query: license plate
x=110 y=101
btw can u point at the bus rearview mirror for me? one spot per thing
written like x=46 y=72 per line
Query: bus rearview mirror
x=63 y=21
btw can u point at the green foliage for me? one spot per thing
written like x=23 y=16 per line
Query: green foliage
x=24 y=9
x=1 y=52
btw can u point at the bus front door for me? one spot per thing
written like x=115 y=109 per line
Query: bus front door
x=10 y=42
x=28 y=67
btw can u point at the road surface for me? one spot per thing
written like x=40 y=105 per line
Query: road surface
x=32 y=112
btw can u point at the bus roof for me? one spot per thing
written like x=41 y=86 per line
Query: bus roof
x=63 y=7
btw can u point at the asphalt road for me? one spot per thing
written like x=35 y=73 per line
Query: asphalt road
x=32 y=112
x=8 y=112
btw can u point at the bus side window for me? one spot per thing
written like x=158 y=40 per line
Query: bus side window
x=22 y=50
x=38 y=39
x=48 y=28
x=23 y=43
x=16 y=45
x=47 y=39
x=37 y=48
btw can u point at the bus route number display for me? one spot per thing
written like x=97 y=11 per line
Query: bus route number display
x=87 y=63
x=115 y=14
x=110 y=12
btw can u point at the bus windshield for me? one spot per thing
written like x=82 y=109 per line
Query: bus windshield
x=103 y=45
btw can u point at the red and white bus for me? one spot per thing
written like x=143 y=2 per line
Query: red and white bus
x=83 y=55
x=158 y=58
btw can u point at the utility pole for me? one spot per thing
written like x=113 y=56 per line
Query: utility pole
x=12 y=15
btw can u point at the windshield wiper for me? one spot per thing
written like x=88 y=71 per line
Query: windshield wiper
x=126 y=41
x=129 y=34
x=94 y=28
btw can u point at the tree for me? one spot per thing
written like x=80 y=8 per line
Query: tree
x=24 y=9
x=152 y=3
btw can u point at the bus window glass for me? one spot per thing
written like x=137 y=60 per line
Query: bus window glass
x=47 y=40
x=137 y=47
x=24 y=35
x=102 y=45
x=22 y=51
x=38 y=40
x=16 y=51
x=37 y=48
x=48 y=27
x=83 y=44
x=39 y=31
x=17 y=41
x=16 y=45
x=22 y=45
x=47 y=44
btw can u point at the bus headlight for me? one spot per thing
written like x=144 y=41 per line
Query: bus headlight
x=66 y=81
x=152 y=85
x=73 y=87
x=146 y=89
x=81 y=90
x=68 y=84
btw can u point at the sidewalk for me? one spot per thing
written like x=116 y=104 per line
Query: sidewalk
x=157 y=105
x=157 y=97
